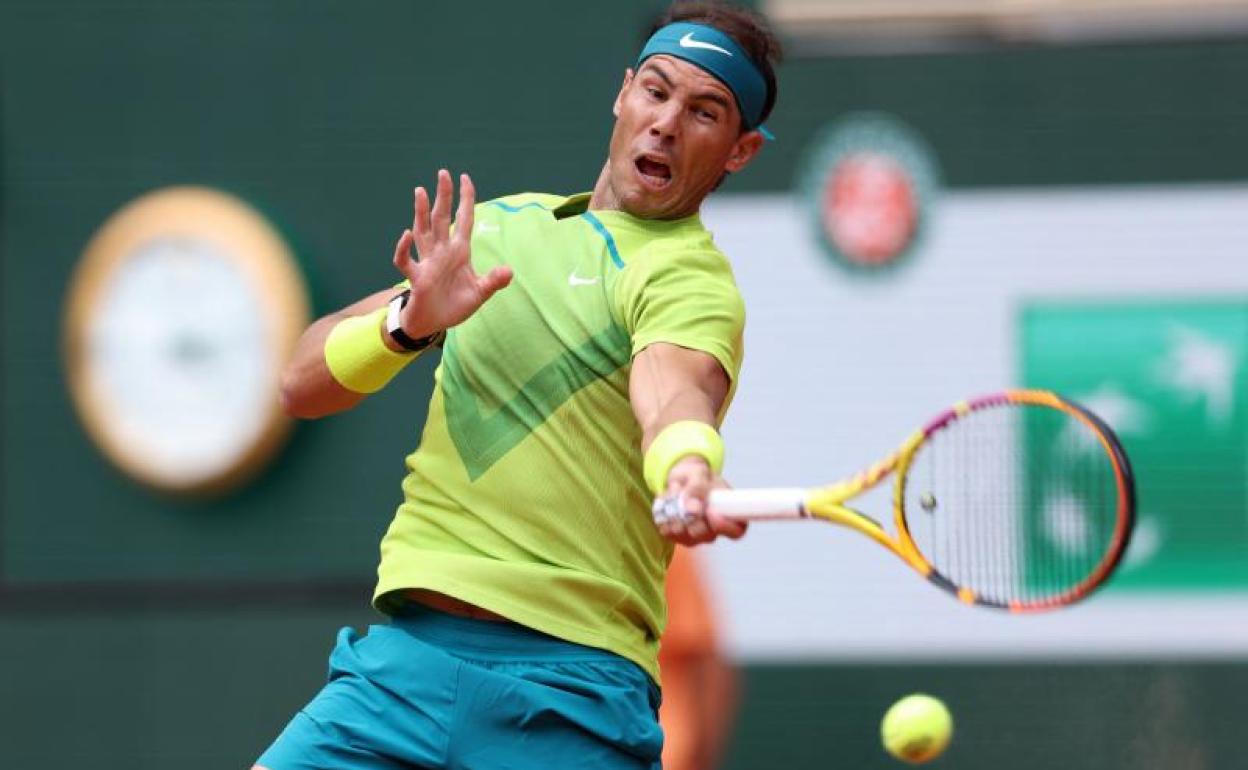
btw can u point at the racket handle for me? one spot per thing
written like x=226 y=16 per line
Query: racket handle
x=761 y=503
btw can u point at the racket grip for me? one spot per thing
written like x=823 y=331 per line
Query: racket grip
x=761 y=503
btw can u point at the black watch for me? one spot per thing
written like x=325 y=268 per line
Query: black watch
x=394 y=326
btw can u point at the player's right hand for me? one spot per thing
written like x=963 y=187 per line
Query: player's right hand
x=691 y=481
x=445 y=288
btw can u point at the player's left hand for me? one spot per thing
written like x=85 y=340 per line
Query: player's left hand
x=691 y=481
x=445 y=289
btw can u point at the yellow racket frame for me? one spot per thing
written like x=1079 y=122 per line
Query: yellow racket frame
x=828 y=502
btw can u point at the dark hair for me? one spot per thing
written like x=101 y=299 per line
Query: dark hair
x=743 y=25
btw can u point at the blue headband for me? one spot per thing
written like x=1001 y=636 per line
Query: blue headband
x=718 y=54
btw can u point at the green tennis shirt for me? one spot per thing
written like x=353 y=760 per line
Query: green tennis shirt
x=525 y=495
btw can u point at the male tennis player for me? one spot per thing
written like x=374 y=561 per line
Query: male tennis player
x=523 y=572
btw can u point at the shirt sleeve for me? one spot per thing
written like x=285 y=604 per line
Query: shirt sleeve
x=687 y=298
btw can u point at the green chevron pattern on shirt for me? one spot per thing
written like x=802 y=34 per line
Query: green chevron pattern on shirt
x=483 y=437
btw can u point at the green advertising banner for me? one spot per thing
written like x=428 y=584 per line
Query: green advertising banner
x=1169 y=378
x=1065 y=476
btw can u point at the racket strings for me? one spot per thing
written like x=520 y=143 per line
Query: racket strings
x=1017 y=504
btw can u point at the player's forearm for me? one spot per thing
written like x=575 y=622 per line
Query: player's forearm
x=670 y=384
x=689 y=404
x=677 y=394
x=308 y=388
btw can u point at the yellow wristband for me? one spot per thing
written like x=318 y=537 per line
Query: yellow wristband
x=358 y=358
x=681 y=439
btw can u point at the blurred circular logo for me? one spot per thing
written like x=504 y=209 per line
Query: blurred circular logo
x=868 y=182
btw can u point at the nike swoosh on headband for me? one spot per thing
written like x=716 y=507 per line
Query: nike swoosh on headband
x=688 y=42
x=729 y=63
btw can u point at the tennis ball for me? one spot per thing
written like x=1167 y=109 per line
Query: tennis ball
x=917 y=728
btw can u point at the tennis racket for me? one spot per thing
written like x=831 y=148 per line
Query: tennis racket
x=1021 y=500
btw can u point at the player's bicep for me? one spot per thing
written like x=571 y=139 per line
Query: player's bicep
x=686 y=300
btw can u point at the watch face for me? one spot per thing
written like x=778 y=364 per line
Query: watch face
x=181 y=315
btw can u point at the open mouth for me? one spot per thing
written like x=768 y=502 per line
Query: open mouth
x=654 y=172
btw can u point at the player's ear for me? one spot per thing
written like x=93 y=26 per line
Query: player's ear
x=743 y=151
x=628 y=78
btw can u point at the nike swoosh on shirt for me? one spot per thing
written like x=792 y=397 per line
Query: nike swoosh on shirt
x=688 y=42
x=576 y=280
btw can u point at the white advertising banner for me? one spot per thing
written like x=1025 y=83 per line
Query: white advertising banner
x=842 y=364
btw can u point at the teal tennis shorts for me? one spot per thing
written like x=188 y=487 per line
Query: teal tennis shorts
x=433 y=690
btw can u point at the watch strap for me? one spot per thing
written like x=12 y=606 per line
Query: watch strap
x=394 y=326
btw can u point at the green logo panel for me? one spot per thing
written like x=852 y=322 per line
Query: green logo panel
x=1169 y=377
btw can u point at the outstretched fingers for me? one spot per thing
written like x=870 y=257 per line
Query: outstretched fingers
x=443 y=280
x=467 y=203
x=494 y=280
x=441 y=214
x=403 y=261
x=422 y=230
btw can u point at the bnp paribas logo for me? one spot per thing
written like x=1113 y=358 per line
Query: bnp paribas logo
x=868 y=183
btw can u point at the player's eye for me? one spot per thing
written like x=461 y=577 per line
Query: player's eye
x=654 y=93
x=707 y=115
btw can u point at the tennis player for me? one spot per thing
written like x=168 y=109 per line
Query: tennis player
x=590 y=348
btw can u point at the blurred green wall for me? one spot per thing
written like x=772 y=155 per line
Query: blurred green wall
x=1080 y=716
x=138 y=630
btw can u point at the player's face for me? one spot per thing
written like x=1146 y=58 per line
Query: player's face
x=677 y=131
